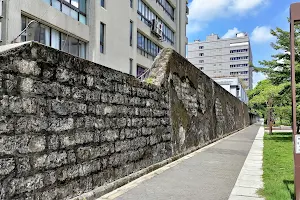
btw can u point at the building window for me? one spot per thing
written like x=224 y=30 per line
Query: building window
x=201 y=68
x=201 y=61
x=146 y=47
x=140 y=71
x=239 y=65
x=239 y=51
x=130 y=65
x=131 y=33
x=166 y=6
x=73 y=8
x=201 y=54
x=240 y=58
x=51 y=37
x=131 y=3
x=201 y=47
x=146 y=15
x=102 y=2
x=102 y=37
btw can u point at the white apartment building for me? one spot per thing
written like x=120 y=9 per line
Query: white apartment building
x=119 y=34
x=223 y=57
x=235 y=86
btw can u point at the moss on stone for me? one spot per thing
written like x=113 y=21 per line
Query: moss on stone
x=179 y=116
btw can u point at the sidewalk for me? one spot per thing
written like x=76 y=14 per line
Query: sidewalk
x=209 y=173
x=250 y=178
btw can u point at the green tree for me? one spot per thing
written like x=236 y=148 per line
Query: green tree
x=277 y=85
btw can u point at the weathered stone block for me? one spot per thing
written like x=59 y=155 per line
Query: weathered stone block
x=30 y=105
x=15 y=104
x=49 y=178
x=22 y=144
x=109 y=135
x=89 y=122
x=11 y=83
x=23 y=165
x=84 y=137
x=138 y=142
x=147 y=131
x=49 y=161
x=121 y=146
x=57 y=90
x=131 y=133
x=93 y=96
x=153 y=140
x=60 y=124
x=71 y=156
x=31 y=123
x=4 y=104
x=79 y=94
x=26 y=85
x=91 y=152
x=69 y=172
x=67 y=140
x=63 y=75
x=53 y=142
x=60 y=107
x=7 y=165
x=28 y=67
x=137 y=122
x=50 y=194
x=89 y=167
x=104 y=97
x=20 y=185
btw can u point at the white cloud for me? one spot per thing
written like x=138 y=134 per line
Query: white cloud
x=202 y=11
x=261 y=34
x=231 y=33
x=245 y=5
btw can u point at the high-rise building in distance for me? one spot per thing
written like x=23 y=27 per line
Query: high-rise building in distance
x=229 y=57
x=125 y=35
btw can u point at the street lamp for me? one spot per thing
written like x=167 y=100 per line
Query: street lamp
x=294 y=19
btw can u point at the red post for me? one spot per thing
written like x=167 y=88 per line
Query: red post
x=294 y=17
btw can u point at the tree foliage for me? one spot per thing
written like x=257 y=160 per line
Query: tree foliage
x=277 y=85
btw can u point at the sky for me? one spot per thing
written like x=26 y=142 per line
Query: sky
x=227 y=17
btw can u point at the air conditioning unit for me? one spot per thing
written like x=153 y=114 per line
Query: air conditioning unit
x=156 y=28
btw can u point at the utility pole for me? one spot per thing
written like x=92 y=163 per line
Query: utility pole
x=295 y=19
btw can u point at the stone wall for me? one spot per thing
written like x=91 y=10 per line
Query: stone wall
x=201 y=110
x=68 y=125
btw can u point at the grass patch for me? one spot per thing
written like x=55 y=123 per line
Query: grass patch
x=278 y=167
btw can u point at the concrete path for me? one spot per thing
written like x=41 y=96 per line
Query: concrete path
x=250 y=178
x=209 y=173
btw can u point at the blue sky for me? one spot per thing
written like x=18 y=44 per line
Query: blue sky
x=226 y=17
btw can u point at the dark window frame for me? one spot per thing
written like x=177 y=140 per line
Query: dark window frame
x=131 y=3
x=147 y=47
x=28 y=19
x=166 y=28
x=131 y=33
x=102 y=3
x=102 y=37
x=172 y=16
x=70 y=5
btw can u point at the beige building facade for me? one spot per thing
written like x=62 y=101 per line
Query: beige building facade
x=125 y=35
